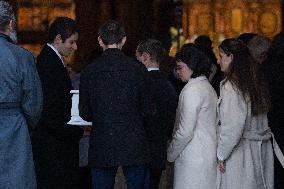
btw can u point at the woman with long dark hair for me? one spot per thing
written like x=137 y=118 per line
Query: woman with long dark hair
x=194 y=142
x=244 y=152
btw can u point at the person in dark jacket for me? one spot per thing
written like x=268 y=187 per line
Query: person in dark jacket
x=274 y=71
x=163 y=96
x=55 y=144
x=112 y=96
x=20 y=106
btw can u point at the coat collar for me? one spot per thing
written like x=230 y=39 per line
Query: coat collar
x=6 y=37
x=48 y=51
x=153 y=69
x=196 y=80
x=223 y=82
x=112 y=51
x=56 y=51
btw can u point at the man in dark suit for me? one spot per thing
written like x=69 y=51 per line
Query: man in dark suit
x=112 y=97
x=164 y=99
x=55 y=144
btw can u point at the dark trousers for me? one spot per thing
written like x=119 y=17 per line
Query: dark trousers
x=104 y=178
x=153 y=178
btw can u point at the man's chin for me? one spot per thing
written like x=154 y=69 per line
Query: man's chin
x=67 y=54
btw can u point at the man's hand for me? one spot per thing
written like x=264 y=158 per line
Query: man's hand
x=87 y=130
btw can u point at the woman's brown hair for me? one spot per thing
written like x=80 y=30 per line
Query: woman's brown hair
x=243 y=72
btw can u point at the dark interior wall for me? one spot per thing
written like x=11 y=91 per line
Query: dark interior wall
x=88 y=16
x=282 y=13
x=141 y=18
x=135 y=16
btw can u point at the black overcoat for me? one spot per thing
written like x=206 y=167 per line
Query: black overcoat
x=112 y=97
x=55 y=144
x=159 y=126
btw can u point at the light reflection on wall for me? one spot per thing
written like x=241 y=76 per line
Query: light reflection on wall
x=36 y=15
x=221 y=19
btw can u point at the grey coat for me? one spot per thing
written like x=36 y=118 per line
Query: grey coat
x=20 y=108
x=243 y=142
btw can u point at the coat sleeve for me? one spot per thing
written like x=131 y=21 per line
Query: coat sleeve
x=85 y=109
x=233 y=110
x=170 y=109
x=31 y=103
x=55 y=116
x=189 y=106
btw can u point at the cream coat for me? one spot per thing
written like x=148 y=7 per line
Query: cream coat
x=244 y=144
x=194 y=143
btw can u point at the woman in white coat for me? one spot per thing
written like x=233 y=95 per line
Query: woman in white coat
x=245 y=156
x=194 y=142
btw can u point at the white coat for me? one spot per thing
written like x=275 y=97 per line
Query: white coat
x=243 y=142
x=194 y=143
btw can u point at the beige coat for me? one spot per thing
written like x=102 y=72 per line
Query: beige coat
x=194 y=143
x=244 y=143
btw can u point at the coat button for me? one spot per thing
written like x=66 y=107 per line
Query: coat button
x=110 y=134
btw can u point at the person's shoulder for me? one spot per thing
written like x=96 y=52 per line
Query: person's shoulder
x=94 y=66
x=46 y=53
x=20 y=50
x=96 y=63
x=135 y=64
x=228 y=86
x=167 y=88
x=195 y=88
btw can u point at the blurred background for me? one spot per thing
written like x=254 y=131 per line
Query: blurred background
x=174 y=22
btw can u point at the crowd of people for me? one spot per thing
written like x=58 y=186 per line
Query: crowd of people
x=217 y=119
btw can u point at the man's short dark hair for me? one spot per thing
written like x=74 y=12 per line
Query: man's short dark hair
x=154 y=48
x=63 y=26
x=111 y=32
x=196 y=60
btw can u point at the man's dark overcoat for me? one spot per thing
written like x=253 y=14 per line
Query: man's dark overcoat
x=112 y=97
x=55 y=143
x=160 y=125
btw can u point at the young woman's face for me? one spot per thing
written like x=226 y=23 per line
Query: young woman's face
x=183 y=71
x=224 y=60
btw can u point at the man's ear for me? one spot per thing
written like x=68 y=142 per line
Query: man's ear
x=10 y=26
x=123 y=41
x=101 y=43
x=231 y=57
x=58 y=39
x=145 y=56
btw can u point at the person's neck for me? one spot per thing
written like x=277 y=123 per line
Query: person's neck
x=54 y=45
x=152 y=65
